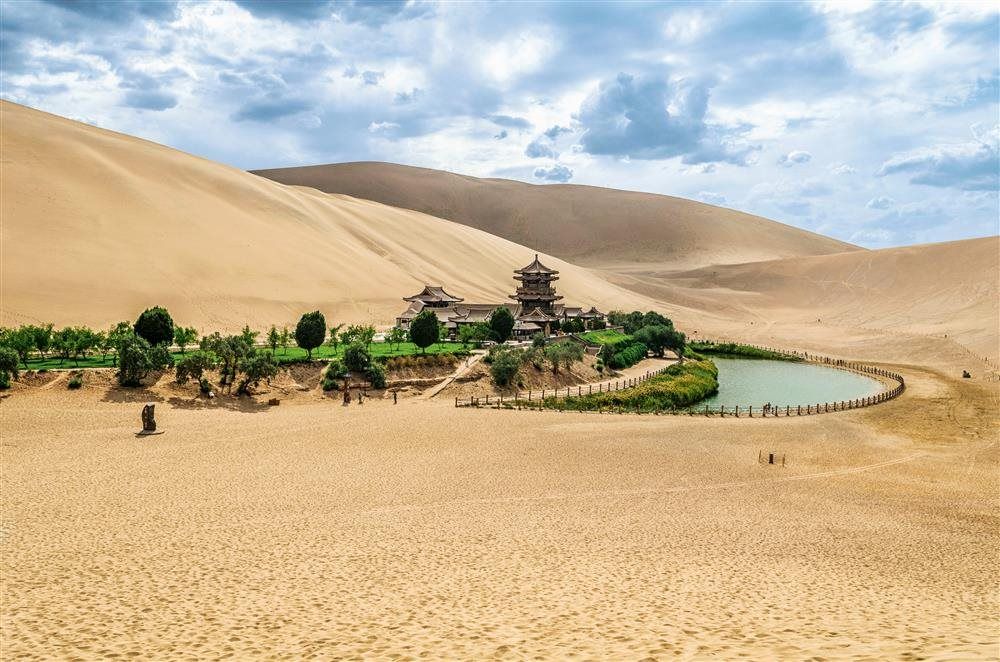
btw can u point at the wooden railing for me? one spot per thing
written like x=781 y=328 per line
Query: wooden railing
x=536 y=399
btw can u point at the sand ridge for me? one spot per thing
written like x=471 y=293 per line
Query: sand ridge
x=125 y=224
x=582 y=224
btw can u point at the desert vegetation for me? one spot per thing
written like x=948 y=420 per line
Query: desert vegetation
x=676 y=387
x=743 y=351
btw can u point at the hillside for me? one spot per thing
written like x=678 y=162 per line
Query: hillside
x=945 y=292
x=98 y=225
x=584 y=224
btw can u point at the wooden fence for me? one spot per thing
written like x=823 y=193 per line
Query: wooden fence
x=530 y=400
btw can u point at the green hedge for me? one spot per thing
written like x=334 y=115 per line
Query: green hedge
x=623 y=353
x=677 y=387
x=736 y=349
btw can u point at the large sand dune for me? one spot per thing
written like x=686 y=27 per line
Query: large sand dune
x=944 y=292
x=98 y=225
x=583 y=224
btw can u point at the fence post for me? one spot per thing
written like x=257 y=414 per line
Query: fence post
x=737 y=411
x=798 y=411
x=750 y=411
x=456 y=401
x=579 y=390
x=787 y=409
x=722 y=411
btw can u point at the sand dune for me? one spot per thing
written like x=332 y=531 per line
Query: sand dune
x=946 y=291
x=98 y=225
x=583 y=224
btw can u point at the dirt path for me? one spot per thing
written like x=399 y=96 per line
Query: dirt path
x=475 y=358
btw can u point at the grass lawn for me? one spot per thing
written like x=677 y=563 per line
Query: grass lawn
x=287 y=355
x=603 y=336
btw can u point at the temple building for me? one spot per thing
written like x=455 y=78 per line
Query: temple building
x=536 y=309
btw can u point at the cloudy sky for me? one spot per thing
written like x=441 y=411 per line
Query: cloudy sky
x=873 y=123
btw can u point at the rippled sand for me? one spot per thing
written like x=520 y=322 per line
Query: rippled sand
x=421 y=530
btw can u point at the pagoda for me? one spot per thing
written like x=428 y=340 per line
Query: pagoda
x=535 y=289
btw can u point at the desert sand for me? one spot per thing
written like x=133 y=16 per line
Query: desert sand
x=419 y=530
x=97 y=226
x=583 y=224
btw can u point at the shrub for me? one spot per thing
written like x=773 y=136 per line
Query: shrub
x=185 y=336
x=376 y=375
x=21 y=340
x=8 y=363
x=194 y=365
x=501 y=323
x=504 y=365
x=4 y=381
x=310 y=331
x=599 y=366
x=155 y=326
x=735 y=349
x=563 y=354
x=256 y=366
x=678 y=386
x=572 y=326
x=204 y=386
x=334 y=371
x=623 y=353
x=136 y=359
x=538 y=340
x=75 y=381
x=357 y=358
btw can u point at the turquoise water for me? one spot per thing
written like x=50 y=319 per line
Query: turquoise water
x=755 y=382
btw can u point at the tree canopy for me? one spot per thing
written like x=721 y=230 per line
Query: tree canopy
x=501 y=324
x=310 y=331
x=424 y=330
x=155 y=326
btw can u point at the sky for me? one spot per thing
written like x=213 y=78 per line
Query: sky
x=873 y=123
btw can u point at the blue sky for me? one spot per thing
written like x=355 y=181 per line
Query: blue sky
x=874 y=123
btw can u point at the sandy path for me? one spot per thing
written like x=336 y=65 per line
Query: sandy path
x=424 y=530
x=463 y=368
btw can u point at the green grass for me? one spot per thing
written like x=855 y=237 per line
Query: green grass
x=603 y=337
x=736 y=349
x=288 y=355
x=679 y=386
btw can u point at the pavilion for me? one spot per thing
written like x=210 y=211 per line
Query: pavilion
x=535 y=307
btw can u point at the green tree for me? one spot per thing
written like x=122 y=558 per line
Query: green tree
x=376 y=375
x=8 y=366
x=184 y=336
x=155 y=326
x=562 y=354
x=424 y=330
x=335 y=337
x=538 y=340
x=653 y=318
x=273 y=339
x=474 y=333
x=505 y=365
x=654 y=337
x=501 y=324
x=194 y=365
x=255 y=366
x=115 y=336
x=137 y=358
x=43 y=338
x=249 y=336
x=229 y=351
x=285 y=338
x=573 y=326
x=356 y=357
x=310 y=331
x=21 y=340
x=396 y=336
x=361 y=333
